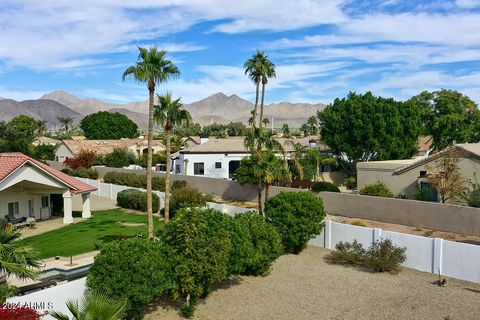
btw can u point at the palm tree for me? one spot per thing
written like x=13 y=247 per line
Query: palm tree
x=272 y=169
x=15 y=258
x=312 y=125
x=151 y=68
x=297 y=155
x=66 y=122
x=253 y=69
x=41 y=127
x=320 y=160
x=169 y=114
x=286 y=131
x=95 y=306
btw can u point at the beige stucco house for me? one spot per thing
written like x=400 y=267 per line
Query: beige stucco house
x=27 y=188
x=69 y=148
x=404 y=177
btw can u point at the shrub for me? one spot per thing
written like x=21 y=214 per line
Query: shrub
x=185 y=197
x=297 y=216
x=384 y=256
x=43 y=152
x=84 y=159
x=119 y=158
x=132 y=269
x=474 y=197
x=177 y=184
x=133 y=180
x=422 y=195
x=198 y=249
x=137 y=200
x=350 y=182
x=82 y=173
x=348 y=253
x=358 y=223
x=325 y=186
x=377 y=189
x=157 y=158
x=23 y=313
x=267 y=246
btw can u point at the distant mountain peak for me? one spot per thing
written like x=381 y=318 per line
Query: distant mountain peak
x=63 y=97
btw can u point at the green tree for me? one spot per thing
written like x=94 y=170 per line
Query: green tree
x=312 y=126
x=108 y=125
x=93 y=305
x=169 y=114
x=286 y=131
x=271 y=168
x=318 y=159
x=119 y=158
x=41 y=128
x=152 y=68
x=19 y=134
x=297 y=156
x=450 y=117
x=365 y=128
x=66 y=123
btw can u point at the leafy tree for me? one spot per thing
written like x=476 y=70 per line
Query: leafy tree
x=445 y=176
x=244 y=173
x=119 y=158
x=108 y=125
x=311 y=127
x=297 y=216
x=169 y=114
x=43 y=152
x=152 y=68
x=19 y=133
x=215 y=130
x=365 y=128
x=93 y=305
x=132 y=269
x=157 y=158
x=314 y=159
x=235 y=129
x=449 y=116
x=192 y=129
x=83 y=159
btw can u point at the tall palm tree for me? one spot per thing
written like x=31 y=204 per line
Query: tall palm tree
x=253 y=69
x=320 y=159
x=66 y=122
x=16 y=258
x=286 y=131
x=268 y=71
x=169 y=114
x=312 y=125
x=271 y=168
x=95 y=306
x=41 y=127
x=297 y=155
x=152 y=68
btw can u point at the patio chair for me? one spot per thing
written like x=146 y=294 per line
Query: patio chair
x=15 y=222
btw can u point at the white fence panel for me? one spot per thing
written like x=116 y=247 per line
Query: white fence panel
x=348 y=233
x=461 y=260
x=419 y=249
x=116 y=189
x=104 y=190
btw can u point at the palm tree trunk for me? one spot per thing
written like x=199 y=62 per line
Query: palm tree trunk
x=167 y=179
x=267 y=189
x=259 y=195
x=254 y=116
x=262 y=104
x=151 y=90
x=318 y=171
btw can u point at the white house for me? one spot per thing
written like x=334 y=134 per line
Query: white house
x=70 y=148
x=220 y=158
x=27 y=187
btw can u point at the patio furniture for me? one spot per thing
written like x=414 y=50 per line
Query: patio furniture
x=31 y=222
x=15 y=222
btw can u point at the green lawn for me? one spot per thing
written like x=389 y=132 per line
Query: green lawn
x=85 y=236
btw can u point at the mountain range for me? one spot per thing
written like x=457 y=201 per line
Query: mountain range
x=218 y=108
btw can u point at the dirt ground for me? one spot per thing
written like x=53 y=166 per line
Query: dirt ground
x=307 y=287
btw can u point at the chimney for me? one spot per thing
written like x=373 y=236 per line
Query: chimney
x=203 y=139
x=312 y=143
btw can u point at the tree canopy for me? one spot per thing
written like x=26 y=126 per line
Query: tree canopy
x=108 y=125
x=449 y=116
x=364 y=128
x=18 y=134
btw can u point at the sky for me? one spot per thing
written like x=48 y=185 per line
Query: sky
x=322 y=49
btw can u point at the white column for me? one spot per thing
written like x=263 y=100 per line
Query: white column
x=86 y=213
x=67 y=207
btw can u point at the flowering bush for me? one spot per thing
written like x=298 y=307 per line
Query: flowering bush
x=22 y=313
x=84 y=159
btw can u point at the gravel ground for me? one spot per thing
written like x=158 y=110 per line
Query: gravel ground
x=306 y=287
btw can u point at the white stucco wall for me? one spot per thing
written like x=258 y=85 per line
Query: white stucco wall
x=209 y=160
x=62 y=153
x=22 y=198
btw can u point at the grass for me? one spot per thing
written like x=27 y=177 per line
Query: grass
x=86 y=236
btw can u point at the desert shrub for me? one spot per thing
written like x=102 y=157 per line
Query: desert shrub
x=82 y=173
x=348 y=253
x=83 y=159
x=267 y=245
x=185 y=197
x=297 y=216
x=377 y=189
x=132 y=269
x=198 y=249
x=137 y=200
x=350 y=182
x=385 y=256
x=422 y=195
x=325 y=186
x=176 y=184
x=358 y=223
x=133 y=180
x=119 y=158
x=474 y=197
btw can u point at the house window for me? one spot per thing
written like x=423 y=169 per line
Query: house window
x=177 y=169
x=218 y=165
x=13 y=209
x=45 y=202
x=198 y=168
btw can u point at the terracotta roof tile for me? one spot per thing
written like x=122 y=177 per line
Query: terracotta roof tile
x=10 y=162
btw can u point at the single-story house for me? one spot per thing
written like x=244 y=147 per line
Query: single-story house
x=69 y=148
x=27 y=188
x=45 y=140
x=220 y=157
x=405 y=177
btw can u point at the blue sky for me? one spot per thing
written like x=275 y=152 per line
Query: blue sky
x=322 y=49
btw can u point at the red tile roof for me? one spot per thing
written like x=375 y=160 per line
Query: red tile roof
x=10 y=162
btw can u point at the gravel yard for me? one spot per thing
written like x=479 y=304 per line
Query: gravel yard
x=306 y=287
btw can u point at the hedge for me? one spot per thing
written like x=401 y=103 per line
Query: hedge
x=133 y=180
x=137 y=200
x=325 y=186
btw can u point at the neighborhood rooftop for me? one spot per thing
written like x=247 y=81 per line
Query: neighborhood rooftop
x=106 y=146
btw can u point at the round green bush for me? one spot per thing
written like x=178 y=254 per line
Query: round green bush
x=176 y=184
x=137 y=200
x=385 y=256
x=377 y=189
x=119 y=158
x=267 y=244
x=474 y=197
x=185 y=197
x=298 y=217
x=132 y=269
x=134 y=181
x=325 y=186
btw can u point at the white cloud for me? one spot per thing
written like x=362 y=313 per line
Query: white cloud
x=19 y=94
x=468 y=3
